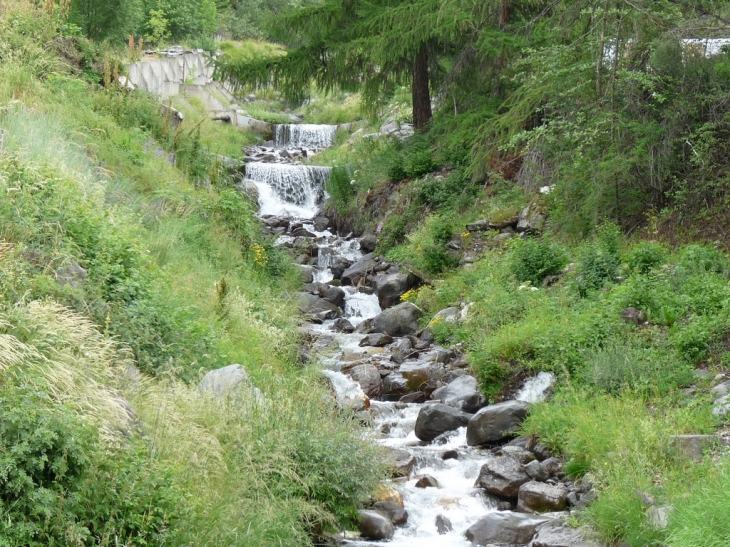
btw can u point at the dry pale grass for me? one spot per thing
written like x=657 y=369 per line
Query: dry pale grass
x=44 y=344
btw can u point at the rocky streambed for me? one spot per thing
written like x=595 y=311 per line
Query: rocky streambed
x=459 y=475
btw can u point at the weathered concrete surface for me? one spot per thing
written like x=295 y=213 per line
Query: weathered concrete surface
x=166 y=76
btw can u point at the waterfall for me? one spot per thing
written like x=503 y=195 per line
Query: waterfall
x=288 y=190
x=304 y=136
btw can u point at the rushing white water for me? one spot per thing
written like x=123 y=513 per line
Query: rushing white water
x=456 y=498
x=535 y=389
x=288 y=190
x=349 y=394
x=360 y=306
x=304 y=136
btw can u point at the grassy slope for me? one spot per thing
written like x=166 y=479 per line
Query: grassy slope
x=178 y=282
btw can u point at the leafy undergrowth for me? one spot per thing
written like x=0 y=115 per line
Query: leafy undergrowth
x=123 y=243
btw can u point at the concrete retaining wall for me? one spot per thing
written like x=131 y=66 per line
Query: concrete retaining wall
x=166 y=76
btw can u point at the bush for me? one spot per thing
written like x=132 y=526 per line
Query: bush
x=616 y=367
x=60 y=486
x=701 y=259
x=535 y=259
x=599 y=261
x=646 y=256
x=437 y=259
x=340 y=189
x=455 y=189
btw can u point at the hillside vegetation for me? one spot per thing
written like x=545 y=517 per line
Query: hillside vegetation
x=601 y=124
x=129 y=267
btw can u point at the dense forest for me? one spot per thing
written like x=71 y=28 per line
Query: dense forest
x=558 y=172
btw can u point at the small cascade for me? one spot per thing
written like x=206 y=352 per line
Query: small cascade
x=310 y=136
x=535 y=389
x=288 y=190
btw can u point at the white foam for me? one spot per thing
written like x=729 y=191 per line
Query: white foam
x=536 y=388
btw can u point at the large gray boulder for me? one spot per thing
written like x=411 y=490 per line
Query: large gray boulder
x=310 y=304
x=462 y=393
x=557 y=534
x=376 y=339
x=333 y=295
x=230 y=382
x=368 y=243
x=504 y=527
x=392 y=511
x=496 y=422
x=433 y=420
x=374 y=525
x=420 y=375
x=361 y=268
x=400 y=320
x=390 y=288
x=400 y=462
x=502 y=476
x=541 y=497
x=394 y=386
x=368 y=377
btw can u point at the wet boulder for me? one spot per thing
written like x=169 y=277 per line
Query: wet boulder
x=368 y=377
x=462 y=393
x=395 y=386
x=392 y=511
x=374 y=525
x=422 y=376
x=376 y=339
x=321 y=223
x=433 y=420
x=505 y=527
x=401 y=462
x=368 y=243
x=443 y=525
x=343 y=325
x=355 y=273
x=339 y=266
x=502 y=476
x=427 y=481
x=541 y=497
x=496 y=422
x=557 y=534
x=400 y=320
x=333 y=295
x=391 y=287
x=310 y=304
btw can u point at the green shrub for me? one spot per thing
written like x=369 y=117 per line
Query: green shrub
x=598 y=262
x=646 y=256
x=418 y=160
x=340 y=189
x=60 y=486
x=442 y=230
x=437 y=259
x=534 y=259
x=701 y=259
x=618 y=366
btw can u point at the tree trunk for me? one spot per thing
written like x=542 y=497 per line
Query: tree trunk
x=421 y=93
x=504 y=13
